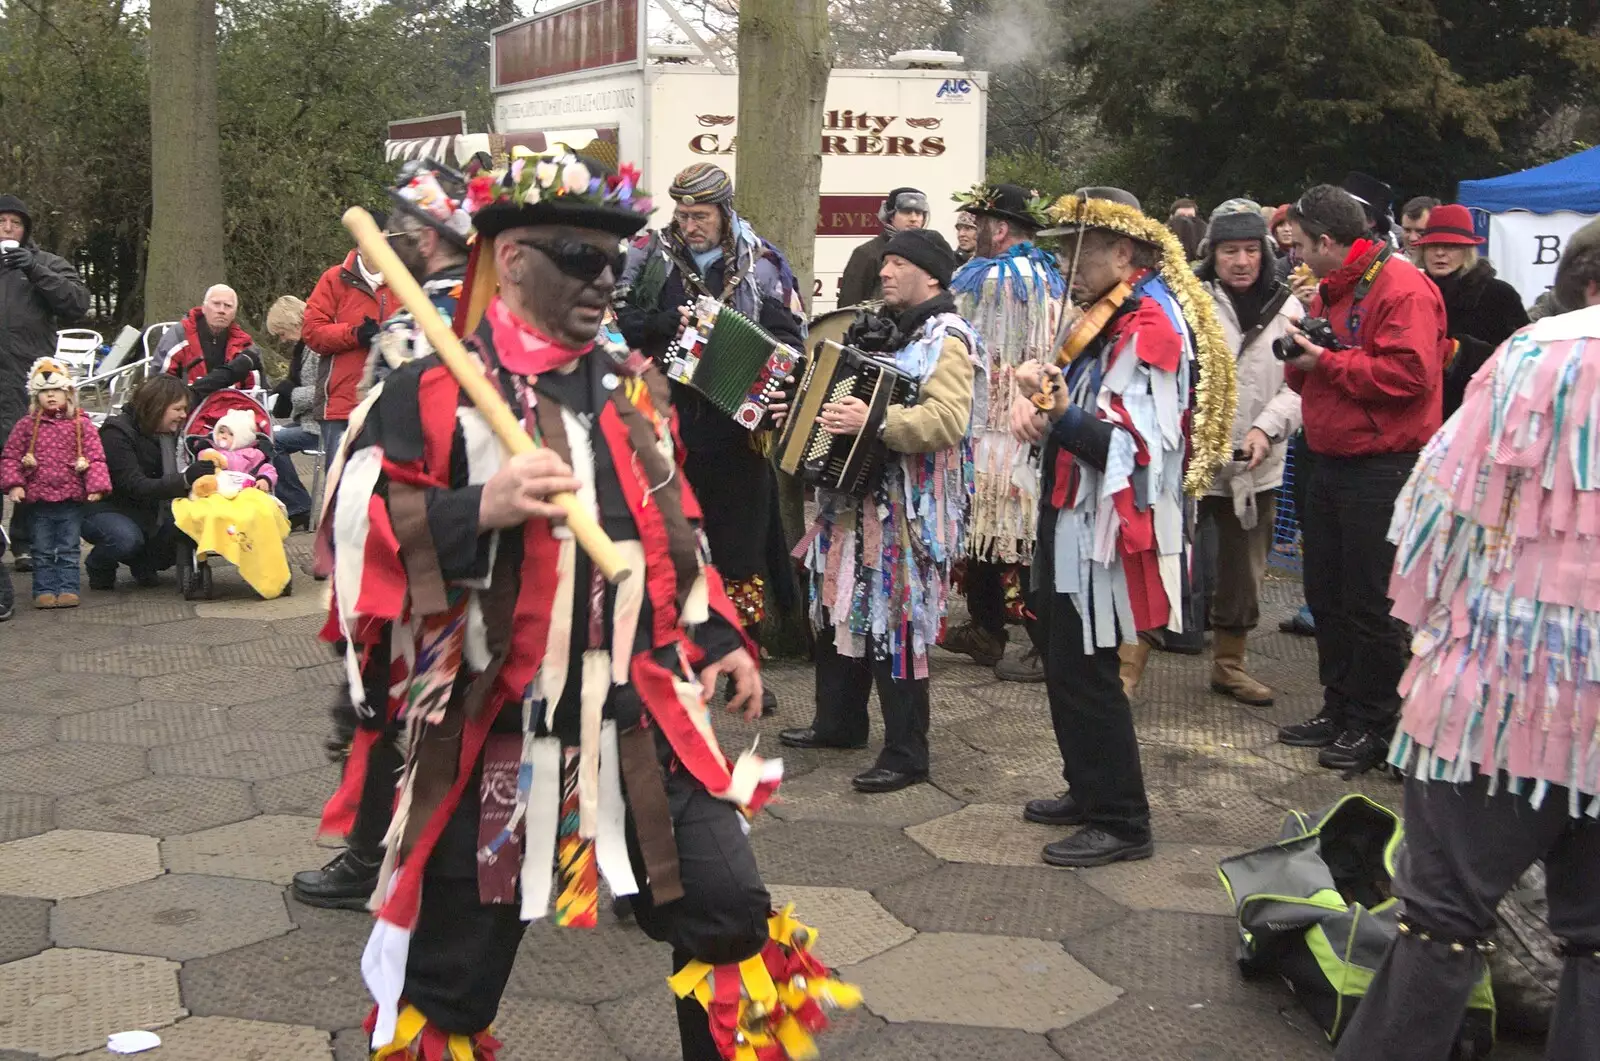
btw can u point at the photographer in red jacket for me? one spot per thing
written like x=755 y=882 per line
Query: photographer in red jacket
x=1371 y=400
x=341 y=319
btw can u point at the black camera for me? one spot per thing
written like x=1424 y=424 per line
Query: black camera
x=1316 y=329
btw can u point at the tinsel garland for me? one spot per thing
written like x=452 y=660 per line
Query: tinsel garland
x=1211 y=439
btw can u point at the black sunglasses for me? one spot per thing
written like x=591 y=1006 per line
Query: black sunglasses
x=581 y=261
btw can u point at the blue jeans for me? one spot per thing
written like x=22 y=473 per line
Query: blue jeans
x=119 y=540
x=56 y=526
x=332 y=432
x=287 y=441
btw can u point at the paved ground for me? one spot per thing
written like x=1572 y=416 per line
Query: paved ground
x=161 y=767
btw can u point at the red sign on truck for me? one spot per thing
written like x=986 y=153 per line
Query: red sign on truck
x=589 y=36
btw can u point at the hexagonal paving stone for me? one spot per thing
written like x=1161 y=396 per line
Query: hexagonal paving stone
x=210 y=1038
x=986 y=834
x=851 y=926
x=825 y=795
x=993 y=981
x=1200 y=721
x=243 y=685
x=271 y=848
x=208 y=631
x=1136 y=1030
x=147 y=723
x=307 y=626
x=1003 y=901
x=22 y=815
x=1010 y=774
x=944 y=1042
x=530 y=1028
x=276 y=652
x=72 y=862
x=1240 y=820
x=174 y=916
x=1183 y=957
x=66 y=694
x=292 y=714
x=304 y=793
x=1180 y=877
x=61 y=769
x=1320 y=790
x=835 y=855
x=305 y=977
x=24 y=927
x=587 y=965
x=1175 y=766
x=139 y=609
x=304 y=603
x=328 y=675
x=137 y=661
x=43 y=642
x=19 y=732
x=247 y=756
x=67 y=1001
x=159 y=806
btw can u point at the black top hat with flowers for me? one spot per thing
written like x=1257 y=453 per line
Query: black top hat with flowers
x=563 y=189
x=1008 y=202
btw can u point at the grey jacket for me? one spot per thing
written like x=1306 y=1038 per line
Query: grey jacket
x=32 y=306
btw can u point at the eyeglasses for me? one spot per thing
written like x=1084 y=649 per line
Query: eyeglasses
x=581 y=261
x=697 y=220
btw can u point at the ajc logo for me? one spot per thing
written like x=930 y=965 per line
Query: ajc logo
x=954 y=90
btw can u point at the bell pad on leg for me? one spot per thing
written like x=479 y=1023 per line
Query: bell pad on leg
x=417 y=1040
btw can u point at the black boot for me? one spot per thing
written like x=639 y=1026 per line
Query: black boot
x=345 y=883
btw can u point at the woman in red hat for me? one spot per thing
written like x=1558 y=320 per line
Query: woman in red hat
x=1481 y=310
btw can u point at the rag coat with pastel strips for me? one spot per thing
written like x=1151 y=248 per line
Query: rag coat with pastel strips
x=1497 y=570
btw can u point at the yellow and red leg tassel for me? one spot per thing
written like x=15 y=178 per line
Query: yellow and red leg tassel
x=417 y=1040
x=769 y=1006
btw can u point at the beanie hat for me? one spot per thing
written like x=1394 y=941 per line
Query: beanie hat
x=48 y=374
x=702 y=184
x=903 y=199
x=1236 y=219
x=241 y=423
x=927 y=249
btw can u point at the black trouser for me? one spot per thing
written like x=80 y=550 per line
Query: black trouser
x=734 y=488
x=376 y=808
x=843 y=687
x=462 y=950
x=1362 y=651
x=985 y=585
x=1464 y=850
x=1092 y=720
x=21 y=530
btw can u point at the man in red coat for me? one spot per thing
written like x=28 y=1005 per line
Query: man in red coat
x=1370 y=401
x=341 y=320
x=208 y=350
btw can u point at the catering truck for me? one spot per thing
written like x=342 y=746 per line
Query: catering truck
x=585 y=76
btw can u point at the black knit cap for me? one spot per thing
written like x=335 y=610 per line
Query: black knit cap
x=927 y=249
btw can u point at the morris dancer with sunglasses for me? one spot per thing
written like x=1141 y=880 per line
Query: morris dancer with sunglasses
x=552 y=719
x=708 y=249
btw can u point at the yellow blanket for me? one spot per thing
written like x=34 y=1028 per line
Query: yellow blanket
x=247 y=531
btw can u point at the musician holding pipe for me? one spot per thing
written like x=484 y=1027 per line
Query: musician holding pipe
x=879 y=565
x=553 y=716
x=1111 y=517
x=708 y=249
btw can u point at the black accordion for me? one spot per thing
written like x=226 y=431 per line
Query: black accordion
x=731 y=360
x=845 y=463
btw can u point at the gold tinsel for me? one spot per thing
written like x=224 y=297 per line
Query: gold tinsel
x=1211 y=440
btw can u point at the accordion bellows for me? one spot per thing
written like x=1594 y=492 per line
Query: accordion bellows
x=731 y=360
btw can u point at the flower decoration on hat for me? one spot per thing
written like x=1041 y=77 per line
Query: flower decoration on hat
x=422 y=194
x=987 y=199
x=563 y=179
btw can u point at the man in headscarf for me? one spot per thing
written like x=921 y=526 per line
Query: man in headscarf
x=708 y=249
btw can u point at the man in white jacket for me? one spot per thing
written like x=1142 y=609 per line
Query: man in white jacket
x=1254 y=309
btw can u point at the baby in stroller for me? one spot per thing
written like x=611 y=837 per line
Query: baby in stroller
x=231 y=512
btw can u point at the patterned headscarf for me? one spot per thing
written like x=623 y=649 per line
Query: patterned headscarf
x=702 y=183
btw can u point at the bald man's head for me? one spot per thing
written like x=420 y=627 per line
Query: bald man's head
x=220 y=307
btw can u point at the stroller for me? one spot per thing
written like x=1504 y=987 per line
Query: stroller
x=194 y=570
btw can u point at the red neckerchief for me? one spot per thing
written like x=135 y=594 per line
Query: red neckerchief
x=1343 y=279
x=524 y=350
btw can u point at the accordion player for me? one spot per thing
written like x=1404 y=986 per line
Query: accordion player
x=844 y=463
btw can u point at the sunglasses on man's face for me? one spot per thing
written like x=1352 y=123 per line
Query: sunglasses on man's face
x=581 y=261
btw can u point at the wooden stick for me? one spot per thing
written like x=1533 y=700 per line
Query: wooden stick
x=375 y=250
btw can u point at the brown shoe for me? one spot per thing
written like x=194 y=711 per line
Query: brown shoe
x=45 y=600
x=67 y=600
x=1134 y=657
x=971 y=640
x=1228 y=675
x=1028 y=667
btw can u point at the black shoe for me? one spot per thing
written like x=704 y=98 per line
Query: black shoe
x=102 y=583
x=1356 y=751
x=21 y=562
x=345 y=883
x=1317 y=732
x=300 y=521
x=882 y=779
x=769 y=702
x=1096 y=847
x=146 y=579
x=1028 y=668
x=1061 y=810
x=806 y=737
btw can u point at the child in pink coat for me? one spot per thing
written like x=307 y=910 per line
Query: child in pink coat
x=53 y=460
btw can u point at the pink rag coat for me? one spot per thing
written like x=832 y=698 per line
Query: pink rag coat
x=55 y=477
